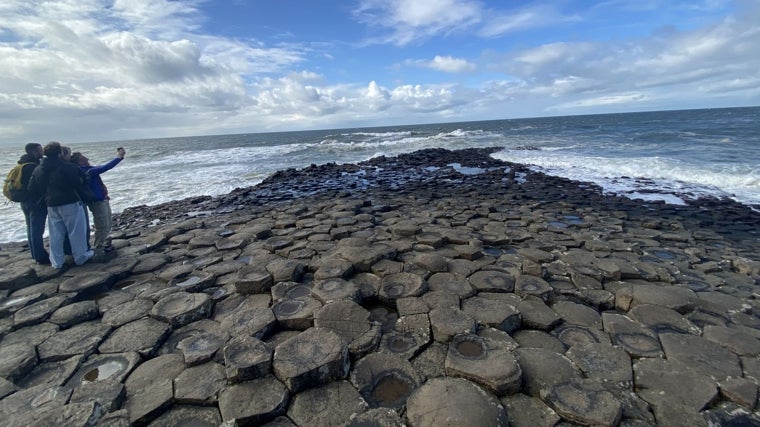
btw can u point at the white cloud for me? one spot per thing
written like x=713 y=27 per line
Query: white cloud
x=76 y=59
x=450 y=64
x=446 y=64
x=141 y=68
x=535 y=16
x=411 y=20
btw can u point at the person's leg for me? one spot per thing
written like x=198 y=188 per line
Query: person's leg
x=76 y=226
x=101 y=219
x=26 y=209
x=57 y=230
x=38 y=215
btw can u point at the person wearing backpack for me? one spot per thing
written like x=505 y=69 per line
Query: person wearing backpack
x=99 y=205
x=32 y=204
x=61 y=182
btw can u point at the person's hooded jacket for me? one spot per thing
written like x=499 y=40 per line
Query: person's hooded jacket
x=61 y=182
x=26 y=172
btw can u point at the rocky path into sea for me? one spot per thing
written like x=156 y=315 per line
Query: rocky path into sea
x=439 y=288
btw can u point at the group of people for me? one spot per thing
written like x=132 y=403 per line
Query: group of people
x=61 y=186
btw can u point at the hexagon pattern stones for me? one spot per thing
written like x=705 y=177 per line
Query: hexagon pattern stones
x=394 y=292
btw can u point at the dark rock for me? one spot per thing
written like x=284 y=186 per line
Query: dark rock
x=313 y=357
x=143 y=336
x=485 y=360
x=296 y=313
x=109 y=394
x=186 y=415
x=246 y=358
x=401 y=285
x=466 y=404
x=72 y=314
x=447 y=322
x=329 y=404
x=543 y=368
x=52 y=373
x=385 y=380
x=583 y=401
x=182 y=308
x=127 y=312
x=200 y=348
x=254 y=402
x=16 y=360
x=526 y=411
x=81 y=339
x=200 y=384
x=352 y=322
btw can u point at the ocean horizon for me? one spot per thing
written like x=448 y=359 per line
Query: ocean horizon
x=672 y=156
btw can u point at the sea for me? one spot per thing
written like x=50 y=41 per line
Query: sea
x=673 y=156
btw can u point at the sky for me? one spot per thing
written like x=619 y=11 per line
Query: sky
x=102 y=70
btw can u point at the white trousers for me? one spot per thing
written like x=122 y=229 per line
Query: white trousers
x=68 y=220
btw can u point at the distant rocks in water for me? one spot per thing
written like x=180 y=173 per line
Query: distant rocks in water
x=394 y=292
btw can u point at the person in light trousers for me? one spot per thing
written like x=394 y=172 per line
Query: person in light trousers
x=99 y=205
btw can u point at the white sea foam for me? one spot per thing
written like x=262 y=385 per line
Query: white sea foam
x=661 y=156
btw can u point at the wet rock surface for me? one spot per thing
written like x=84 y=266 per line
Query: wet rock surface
x=397 y=291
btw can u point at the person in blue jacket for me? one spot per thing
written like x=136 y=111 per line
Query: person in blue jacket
x=99 y=204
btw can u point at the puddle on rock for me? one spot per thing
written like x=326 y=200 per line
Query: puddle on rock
x=383 y=314
x=101 y=372
x=288 y=307
x=394 y=291
x=401 y=343
x=471 y=349
x=574 y=219
x=391 y=390
x=557 y=224
x=663 y=255
x=216 y=293
x=190 y=281
x=491 y=251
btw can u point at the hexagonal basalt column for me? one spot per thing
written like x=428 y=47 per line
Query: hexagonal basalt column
x=486 y=361
x=335 y=289
x=80 y=339
x=385 y=380
x=91 y=282
x=181 y=308
x=143 y=336
x=401 y=285
x=352 y=322
x=328 y=405
x=297 y=313
x=200 y=348
x=254 y=402
x=315 y=356
x=465 y=404
x=16 y=360
x=246 y=358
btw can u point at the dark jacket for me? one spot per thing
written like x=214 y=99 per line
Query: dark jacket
x=61 y=182
x=26 y=175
